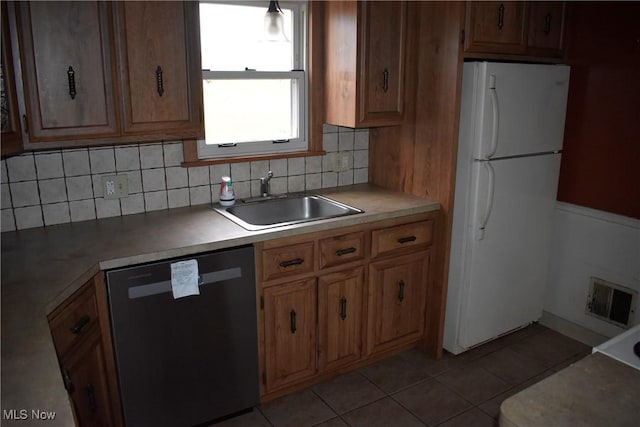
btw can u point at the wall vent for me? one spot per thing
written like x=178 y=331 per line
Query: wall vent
x=611 y=303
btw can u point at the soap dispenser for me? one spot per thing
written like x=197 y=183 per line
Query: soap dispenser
x=227 y=195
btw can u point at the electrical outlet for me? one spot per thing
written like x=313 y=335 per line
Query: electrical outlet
x=115 y=186
x=343 y=161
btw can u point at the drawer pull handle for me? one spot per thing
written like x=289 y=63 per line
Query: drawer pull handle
x=345 y=251
x=385 y=80
x=404 y=240
x=547 y=24
x=91 y=398
x=401 y=290
x=159 y=81
x=66 y=379
x=343 y=308
x=71 y=78
x=292 y=319
x=291 y=262
x=77 y=328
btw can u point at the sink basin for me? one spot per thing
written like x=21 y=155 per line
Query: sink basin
x=277 y=212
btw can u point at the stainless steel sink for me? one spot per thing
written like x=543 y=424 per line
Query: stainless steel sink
x=280 y=211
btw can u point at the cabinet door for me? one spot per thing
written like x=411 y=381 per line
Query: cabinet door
x=159 y=48
x=495 y=27
x=382 y=35
x=289 y=333
x=396 y=301
x=11 y=131
x=84 y=374
x=339 y=318
x=67 y=69
x=546 y=28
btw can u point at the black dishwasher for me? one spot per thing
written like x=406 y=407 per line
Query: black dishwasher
x=185 y=361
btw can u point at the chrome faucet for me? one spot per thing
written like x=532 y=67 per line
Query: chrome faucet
x=264 y=184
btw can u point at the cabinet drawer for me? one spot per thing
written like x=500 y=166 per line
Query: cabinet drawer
x=341 y=249
x=287 y=261
x=71 y=323
x=400 y=238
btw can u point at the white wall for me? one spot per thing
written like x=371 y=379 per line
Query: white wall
x=587 y=243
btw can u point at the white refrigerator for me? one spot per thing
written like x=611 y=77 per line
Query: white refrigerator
x=510 y=138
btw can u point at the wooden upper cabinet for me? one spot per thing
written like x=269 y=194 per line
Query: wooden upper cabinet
x=11 y=131
x=66 y=51
x=546 y=28
x=515 y=28
x=496 y=27
x=364 y=79
x=159 y=56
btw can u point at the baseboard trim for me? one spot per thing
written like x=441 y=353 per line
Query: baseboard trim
x=572 y=330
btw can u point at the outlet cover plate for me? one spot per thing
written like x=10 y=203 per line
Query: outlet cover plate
x=343 y=161
x=115 y=186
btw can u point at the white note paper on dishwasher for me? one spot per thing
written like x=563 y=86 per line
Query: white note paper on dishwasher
x=184 y=278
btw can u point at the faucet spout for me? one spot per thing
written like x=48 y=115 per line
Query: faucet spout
x=264 y=184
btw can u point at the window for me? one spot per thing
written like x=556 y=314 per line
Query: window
x=254 y=90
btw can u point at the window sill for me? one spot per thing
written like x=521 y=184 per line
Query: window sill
x=194 y=162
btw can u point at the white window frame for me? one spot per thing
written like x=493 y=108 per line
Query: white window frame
x=299 y=82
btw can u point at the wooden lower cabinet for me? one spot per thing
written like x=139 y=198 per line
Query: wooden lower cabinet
x=336 y=300
x=84 y=373
x=340 y=318
x=396 y=301
x=290 y=333
x=80 y=331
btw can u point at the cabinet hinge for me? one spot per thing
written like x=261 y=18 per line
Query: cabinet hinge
x=462 y=35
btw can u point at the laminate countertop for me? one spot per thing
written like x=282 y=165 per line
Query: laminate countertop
x=44 y=266
x=596 y=391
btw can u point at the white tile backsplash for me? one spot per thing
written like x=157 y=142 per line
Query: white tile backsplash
x=21 y=168
x=56 y=213
x=24 y=193
x=82 y=210
x=177 y=177
x=76 y=162
x=151 y=156
x=153 y=180
x=102 y=160
x=53 y=190
x=7 y=220
x=79 y=187
x=127 y=158
x=198 y=176
x=61 y=186
x=49 y=165
x=28 y=217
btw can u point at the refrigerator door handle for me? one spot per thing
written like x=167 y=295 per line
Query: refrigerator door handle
x=489 y=202
x=496 y=117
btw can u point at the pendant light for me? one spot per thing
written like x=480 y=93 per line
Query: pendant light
x=274 y=23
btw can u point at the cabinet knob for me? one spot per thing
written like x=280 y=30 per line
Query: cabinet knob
x=401 y=290
x=501 y=16
x=343 y=308
x=408 y=239
x=91 y=398
x=345 y=251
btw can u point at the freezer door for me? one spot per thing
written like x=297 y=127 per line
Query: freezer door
x=505 y=264
x=517 y=108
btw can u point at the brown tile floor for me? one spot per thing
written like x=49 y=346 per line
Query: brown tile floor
x=412 y=390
